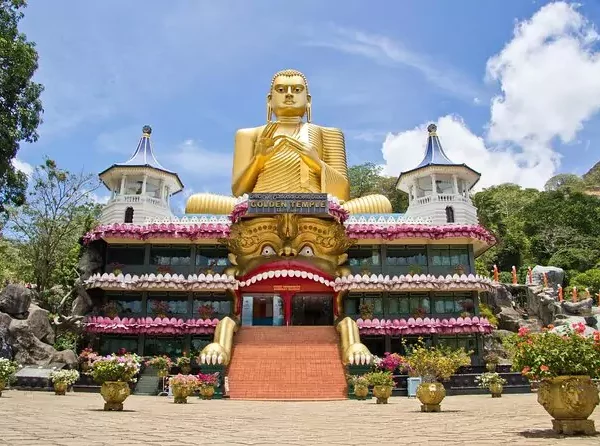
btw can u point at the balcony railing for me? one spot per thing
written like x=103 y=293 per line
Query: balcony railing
x=442 y=197
x=136 y=199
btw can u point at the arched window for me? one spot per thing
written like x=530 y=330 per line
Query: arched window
x=129 y=215
x=449 y=214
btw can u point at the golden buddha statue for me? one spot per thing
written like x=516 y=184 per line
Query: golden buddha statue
x=289 y=155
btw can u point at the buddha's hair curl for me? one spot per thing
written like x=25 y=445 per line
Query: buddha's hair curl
x=289 y=73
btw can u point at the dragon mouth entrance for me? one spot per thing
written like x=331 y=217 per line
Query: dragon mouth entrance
x=286 y=269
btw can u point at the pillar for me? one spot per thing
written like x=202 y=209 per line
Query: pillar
x=122 y=190
x=287 y=307
x=433 y=187
x=455 y=184
x=144 y=185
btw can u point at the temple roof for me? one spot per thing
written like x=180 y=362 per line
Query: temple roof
x=144 y=157
x=435 y=156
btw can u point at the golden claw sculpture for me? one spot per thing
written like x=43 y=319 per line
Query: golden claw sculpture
x=353 y=351
x=289 y=155
x=219 y=351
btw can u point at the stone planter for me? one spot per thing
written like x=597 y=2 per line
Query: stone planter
x=496 y=390
x=114 y=393
x=570 y=400
x=382 y=393
x=2 y=386
x=431 y=395
x=60 y=388
x=361 y=392
x=207 y=392
x=180 y=394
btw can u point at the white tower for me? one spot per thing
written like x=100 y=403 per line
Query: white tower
x=438 y=188
x=140 y=187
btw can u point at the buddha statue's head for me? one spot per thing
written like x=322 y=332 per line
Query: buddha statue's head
x=303 y=243
x=288 y=96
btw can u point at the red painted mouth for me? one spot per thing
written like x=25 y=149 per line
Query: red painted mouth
x=290 y=265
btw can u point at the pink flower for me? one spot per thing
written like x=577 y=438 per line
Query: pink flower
x=544 y=368
x=525 y=370
x=523 y=331
x=579 y=327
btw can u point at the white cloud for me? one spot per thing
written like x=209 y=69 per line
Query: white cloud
x=23 y=166
x=99 y=198
x=549 y=78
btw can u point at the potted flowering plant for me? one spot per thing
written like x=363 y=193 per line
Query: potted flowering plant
x=366 y=310
x=491 y=361
x=391 y=362
x=86 y=358
x=564 y=361
x=383 y=383
x=183 y=386
x=207 y=383
x=434 y=364
x=491 y=381
x=360 y=385
x=8 y=369
x=161 y=363
x=62 y=379
x=185 y=364
x=115 y=373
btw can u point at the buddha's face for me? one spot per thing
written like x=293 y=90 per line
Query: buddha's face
x=303 y=243
x=289 y=96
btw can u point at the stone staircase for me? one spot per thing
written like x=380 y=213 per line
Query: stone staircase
x=148 y=382
x=287 y=363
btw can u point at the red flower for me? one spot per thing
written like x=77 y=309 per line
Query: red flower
x=525 y=370
x=544 y=368
x=523 y=331
x=579 y=327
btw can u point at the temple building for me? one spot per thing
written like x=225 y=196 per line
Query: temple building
x=292 y=260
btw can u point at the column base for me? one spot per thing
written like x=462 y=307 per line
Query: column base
x=431 y=408
x=572 y=427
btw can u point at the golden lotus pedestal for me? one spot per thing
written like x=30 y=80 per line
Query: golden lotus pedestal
x=180 y=395
x=570 y=400
x=496 y=390
x=206 y=393
x=60 y=388
x=431 y=395
x=114 y=393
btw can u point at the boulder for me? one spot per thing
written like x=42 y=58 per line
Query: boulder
x=40 y=324
x=493 y=343
x=5 y=338
x=502 y=297
x=67 y=357
x=15 y=300
x=555 y=275
x=583 y=307
x=511 y=320
x=90 y=261
x=82 y=303
x=28 y=349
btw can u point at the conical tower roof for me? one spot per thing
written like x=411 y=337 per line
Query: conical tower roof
x=436 y=157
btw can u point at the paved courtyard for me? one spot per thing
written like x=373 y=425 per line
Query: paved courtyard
x=41 y=418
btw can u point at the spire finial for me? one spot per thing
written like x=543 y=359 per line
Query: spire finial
x=432 y=128
x=146 y=130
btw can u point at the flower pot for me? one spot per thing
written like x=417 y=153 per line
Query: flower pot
x=60 y=388
x=570 y=400
x=490 y=367
x=496 y=390
x=114 y=393
x=382 y=393
x=2 y=386
x=431 y=395
x=361 y=392
x=180 y=394
x=207 y=392
x=186 y=369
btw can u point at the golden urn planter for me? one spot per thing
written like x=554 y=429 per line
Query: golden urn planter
x=60 y=388
x=382 y=393
x=570 y=400
x=114 y=393
x=180 y=394
x=496 y=390
x=490 y=367
x=361 y=392
x=2 y=386
x=431 y=395
x=206 y=393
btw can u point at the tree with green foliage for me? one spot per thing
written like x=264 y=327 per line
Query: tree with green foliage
x=59 y=211
x=20 y=105
x=589 y=279
x=366 y=179
x=565 y=181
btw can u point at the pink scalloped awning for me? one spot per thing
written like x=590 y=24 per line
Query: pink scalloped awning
x=149 y=325
x=399 y=231
x=424 y=326
x=166 y=230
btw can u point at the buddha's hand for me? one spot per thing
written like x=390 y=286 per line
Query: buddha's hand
x=264 y=147
x=308 y=154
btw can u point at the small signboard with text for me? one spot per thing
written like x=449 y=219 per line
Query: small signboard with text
x=300 y=203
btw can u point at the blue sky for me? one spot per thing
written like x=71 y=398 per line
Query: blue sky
x=514 y=85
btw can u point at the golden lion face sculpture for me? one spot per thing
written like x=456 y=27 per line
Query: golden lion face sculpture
x=308 y=242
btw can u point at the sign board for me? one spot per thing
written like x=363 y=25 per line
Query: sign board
x=287 y=288
x=306 y=204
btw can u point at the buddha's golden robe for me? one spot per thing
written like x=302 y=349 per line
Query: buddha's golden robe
x=286 y=172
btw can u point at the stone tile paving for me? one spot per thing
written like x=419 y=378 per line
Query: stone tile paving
x=41 y=418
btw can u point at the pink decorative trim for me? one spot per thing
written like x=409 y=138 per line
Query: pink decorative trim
x=149 y=325
x=400 y=231
x=175 y=282
x=165 y=230
x=427 y=325
x=415 y=282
